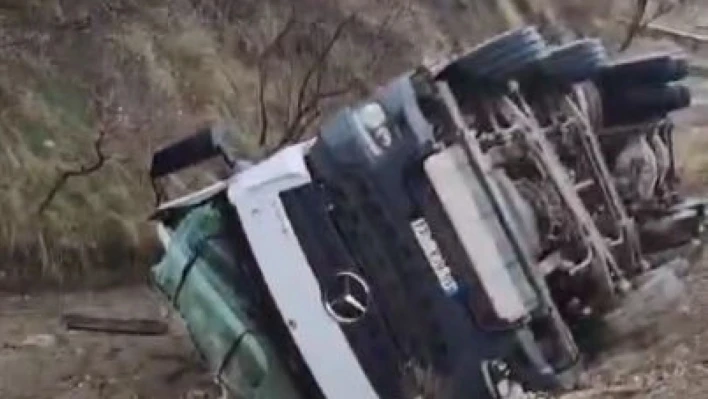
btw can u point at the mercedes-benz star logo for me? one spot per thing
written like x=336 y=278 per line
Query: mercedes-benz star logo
x=347 y=298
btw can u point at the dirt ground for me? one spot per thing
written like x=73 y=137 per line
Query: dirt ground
x=40 y=359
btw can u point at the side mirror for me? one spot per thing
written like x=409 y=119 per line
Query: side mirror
x=203 y=145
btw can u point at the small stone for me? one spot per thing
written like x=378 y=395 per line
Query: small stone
x=197 y=394
x=683 y=350
x=680 y=266
x=40 y=341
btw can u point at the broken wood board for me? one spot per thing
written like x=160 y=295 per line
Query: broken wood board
x=74 y=321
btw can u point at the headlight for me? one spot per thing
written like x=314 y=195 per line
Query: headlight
x=372 y=115
x=373 y=118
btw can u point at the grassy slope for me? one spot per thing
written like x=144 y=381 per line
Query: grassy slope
x=146 y=72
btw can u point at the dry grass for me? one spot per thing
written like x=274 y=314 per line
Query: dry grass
x=50 y=128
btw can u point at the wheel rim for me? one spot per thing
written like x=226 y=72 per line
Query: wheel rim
x=500 y=385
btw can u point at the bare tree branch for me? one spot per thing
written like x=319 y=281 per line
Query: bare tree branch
x=83 y=170
x=639 y=23
x=338 y=91
x=635 y=24
x=263 y=74
x=289 y=90
x=263 y=110
x=319 y=63
x=309 y=99
x=310 y=93
x=392 y=17
x=298 y=131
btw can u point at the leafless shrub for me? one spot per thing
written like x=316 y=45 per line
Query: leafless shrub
x=306 y=93
x=309 y=93
x=645 y=13
x=83 y=170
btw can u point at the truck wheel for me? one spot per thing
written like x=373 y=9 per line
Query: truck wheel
x=500 y=59
x=500 y=383
x=644 y=102
x=487 y=54
x=648 y=69
x=575 y=62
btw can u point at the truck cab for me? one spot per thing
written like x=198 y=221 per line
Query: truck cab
x=376 y=255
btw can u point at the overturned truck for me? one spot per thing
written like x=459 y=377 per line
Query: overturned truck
x=453 y=236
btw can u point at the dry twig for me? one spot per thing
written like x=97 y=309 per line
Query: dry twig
x=677 y=33
x=639 y=23
x=263 y=74
x=597 y=393
x=83 y=170
x=74 y=321
x=310 y=94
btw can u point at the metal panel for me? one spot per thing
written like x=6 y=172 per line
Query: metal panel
x=451 y=178
x=294 y=288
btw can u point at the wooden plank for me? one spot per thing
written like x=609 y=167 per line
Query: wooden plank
x=73 y=321
x=691 y=40
x=611 y=391
x=676 y=33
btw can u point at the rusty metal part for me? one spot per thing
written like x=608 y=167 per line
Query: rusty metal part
x=605 y=268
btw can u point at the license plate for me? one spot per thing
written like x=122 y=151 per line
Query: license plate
x=434 y=256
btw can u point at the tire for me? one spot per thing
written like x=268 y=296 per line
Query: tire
x=665 y=98
x=499 y=59
x=575 y=62
x=499 y=383
x=499 y=46
x=644 y=103
x=651 y=69
x=516 y=65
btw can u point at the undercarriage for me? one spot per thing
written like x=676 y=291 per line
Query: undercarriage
x=588 y=144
